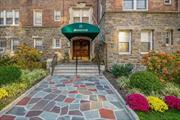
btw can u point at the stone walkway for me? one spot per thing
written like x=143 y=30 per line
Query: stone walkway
x=69 y=98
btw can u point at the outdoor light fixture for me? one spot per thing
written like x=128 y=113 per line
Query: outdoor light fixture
x=178 y=29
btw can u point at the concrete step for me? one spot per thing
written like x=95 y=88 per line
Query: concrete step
x=82 y=74
x=79 y=70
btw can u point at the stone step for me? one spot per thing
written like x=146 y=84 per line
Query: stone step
x=82 y=74
x=79 y=70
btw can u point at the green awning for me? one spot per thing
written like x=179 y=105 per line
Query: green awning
x=80 y=30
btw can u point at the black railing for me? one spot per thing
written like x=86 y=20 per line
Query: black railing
x=76 y=65
x=53 y=64
x=98 y=60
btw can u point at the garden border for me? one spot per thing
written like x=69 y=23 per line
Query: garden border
x=9 y=106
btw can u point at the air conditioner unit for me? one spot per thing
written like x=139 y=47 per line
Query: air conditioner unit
x=2 y=50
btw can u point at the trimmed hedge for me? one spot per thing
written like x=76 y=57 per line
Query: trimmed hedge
x=145 y=81
x=9 y=74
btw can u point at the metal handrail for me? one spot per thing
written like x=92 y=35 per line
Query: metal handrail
x=76 y=64
x=98 y=62
x=53 y=64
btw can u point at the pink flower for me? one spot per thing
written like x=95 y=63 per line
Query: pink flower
x=137 y=102
x=173 y=102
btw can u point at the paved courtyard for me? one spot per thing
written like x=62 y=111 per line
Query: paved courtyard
x=69 y=98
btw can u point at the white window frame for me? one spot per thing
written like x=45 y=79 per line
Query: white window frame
x=55 y=14
x=13 y=23
x=151 y=40
x=169 y=3
x=34 y=17
x=35 y=38
x=130 y=44
x=12 y=43
x=3 y=48
x=135 y=6
x=170 y=35
x=54 y=44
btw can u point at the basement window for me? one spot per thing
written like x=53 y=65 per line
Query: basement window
x=169 y=37
x=167 y=2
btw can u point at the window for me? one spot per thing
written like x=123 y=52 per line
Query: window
x=14 y=44
x=169 y=38
x=81 y=15
x=2 y=45
x=9 y=17
x=57 y=15
x=167 y=2
x=37 y=18
x=56 y=43
x=146 y=41
x=125 y=42
x=16 y=17
x=2 y=17
x=135 y=4
x=38 y=43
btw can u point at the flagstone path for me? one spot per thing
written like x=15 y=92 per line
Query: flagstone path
x=69 y=98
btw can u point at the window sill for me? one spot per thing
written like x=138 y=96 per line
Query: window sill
x=144 y=53
x=124 y=53
x=135 y=10
x=9 y=25
x=56 y=47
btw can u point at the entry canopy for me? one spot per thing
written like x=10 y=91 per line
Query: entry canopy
x=80 y=30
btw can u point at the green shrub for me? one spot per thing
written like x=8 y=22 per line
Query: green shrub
x=9 y=74
x=123 y=82
x=5 y=60
x=171 y=89
x=28 y=58
x=146 y=81
x=119 y=70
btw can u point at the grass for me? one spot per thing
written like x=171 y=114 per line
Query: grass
x=15 y=89
x=168 y=115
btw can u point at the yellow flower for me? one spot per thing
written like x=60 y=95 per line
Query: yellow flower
x=3 y=93
x=157 y=104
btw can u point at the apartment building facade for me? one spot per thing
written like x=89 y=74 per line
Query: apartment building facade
x=129 y=28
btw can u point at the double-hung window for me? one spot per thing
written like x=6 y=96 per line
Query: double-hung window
x=37 y=17
x=169 y=37
x=57 y=15
x=124 y=42
x=14 y=44
x=139 y=5
x=146 y=41
x=2 y=45
x=9 y=18
x=81 y=15
x=38 y=43
x=56 y=43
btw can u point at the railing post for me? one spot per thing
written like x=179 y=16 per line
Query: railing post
x=76 y=64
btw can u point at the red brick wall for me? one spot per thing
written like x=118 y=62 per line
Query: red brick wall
x=26 y=8
x=154 y=5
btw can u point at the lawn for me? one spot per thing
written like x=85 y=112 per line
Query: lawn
x=168 y=115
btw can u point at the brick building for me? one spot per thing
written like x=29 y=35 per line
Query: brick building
x=129 y=28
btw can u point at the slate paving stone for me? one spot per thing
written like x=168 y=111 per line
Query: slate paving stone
x=77 y=118
x=50 y=96
x=17 y=111
x=33 y=113
x=85 y=106
x=40 y=105
x=7 y=117
x=49 y=115
x=60 y=98
x=49 y=106
x=64 y=118
x=75 y=112
x=122 y=115
x=91 y=115
x=24 y=101
x=34 y=100
x=68 y=98
x=64 y=110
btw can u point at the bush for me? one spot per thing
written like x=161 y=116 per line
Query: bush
x=173 y=102
x=119 y=70
x=137 y=102
x=157 y=104
x=123 y=82
x=28 y=58
x=146 y=81
x=5 y=60
x=166 y=66
x=3 y=93
x=9 y=74
x=171 y=89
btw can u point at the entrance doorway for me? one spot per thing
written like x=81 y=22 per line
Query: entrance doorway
x=81 y=49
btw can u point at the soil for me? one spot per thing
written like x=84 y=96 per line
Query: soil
x=113 y=80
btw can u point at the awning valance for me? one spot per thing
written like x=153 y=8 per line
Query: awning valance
x=80 y=30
